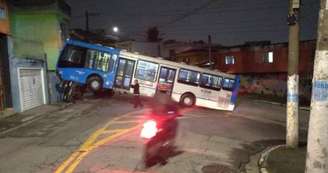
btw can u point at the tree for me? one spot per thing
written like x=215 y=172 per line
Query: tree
x=153 y=34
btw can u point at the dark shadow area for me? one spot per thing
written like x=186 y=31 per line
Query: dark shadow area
x=286 y=159
x=163 y=156
x=259 y=146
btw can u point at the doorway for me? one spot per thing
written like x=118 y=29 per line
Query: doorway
x=166 y=80
x=124 y=73
x=5 y=91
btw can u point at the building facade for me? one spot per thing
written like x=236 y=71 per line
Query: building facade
x=263 y=67
x=37 y=31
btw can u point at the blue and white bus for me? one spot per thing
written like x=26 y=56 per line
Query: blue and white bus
x=100 y=67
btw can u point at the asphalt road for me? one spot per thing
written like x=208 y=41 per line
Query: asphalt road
x=102 y=135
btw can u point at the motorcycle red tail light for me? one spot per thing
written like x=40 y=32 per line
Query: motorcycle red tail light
x=149 y=129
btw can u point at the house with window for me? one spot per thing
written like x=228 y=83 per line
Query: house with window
x=142 y=47
x=38 y=29
x=195 y=56
x=263 y=67
x=182 y=51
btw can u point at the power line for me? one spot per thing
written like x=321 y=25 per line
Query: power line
x=178 y=12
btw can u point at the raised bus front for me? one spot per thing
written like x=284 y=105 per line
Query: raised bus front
x=88 y=64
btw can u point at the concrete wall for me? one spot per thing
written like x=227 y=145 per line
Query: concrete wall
x=42 y=26
x=54 y=95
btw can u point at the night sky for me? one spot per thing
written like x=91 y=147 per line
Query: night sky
x=229 y=22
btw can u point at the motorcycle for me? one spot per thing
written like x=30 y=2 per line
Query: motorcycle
x=159 y=132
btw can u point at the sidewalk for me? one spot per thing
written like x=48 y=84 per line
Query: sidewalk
x=281 y=159
x=276 y=159
x=18 y=120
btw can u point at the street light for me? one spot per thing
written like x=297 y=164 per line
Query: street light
x=115 y=29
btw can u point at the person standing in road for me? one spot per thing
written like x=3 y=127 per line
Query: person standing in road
x=136 y=94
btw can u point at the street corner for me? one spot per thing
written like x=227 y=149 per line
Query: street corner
x=282 y=158
x=262 y=162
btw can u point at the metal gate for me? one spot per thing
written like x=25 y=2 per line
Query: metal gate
x=31 y=87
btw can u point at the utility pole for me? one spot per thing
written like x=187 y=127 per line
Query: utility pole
x=317 y=147
x=210 y=51
x=292 y=83
x=87 y=20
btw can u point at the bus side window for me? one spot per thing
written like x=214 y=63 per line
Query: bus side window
x=112 y=62
x=188 y=77
x=146 y=71
x=98 y=60
x=91 y=56
x=210 y=81
x=228 y=84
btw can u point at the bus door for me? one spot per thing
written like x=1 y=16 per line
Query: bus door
x=124 y=73
x=166 y=80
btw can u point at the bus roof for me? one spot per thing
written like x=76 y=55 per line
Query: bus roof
x=175 y=64
x=91 y=45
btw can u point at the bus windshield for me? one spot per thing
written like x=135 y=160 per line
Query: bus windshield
x=72 y=56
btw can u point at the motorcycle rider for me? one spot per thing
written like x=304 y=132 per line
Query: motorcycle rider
x=165 y=111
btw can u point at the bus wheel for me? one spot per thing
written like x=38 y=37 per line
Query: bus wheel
x=95 y=83
x=187 y=100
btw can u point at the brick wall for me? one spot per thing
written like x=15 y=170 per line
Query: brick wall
x=249 y=59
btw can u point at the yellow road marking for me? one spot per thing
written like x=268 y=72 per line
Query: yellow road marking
x=127 y=121
x=76 y=162
x=112 y=131
x=76 y=157
x=66 y=162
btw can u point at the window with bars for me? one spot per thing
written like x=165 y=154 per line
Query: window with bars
x=229 y=60
x=2 y=13
x=268 y=57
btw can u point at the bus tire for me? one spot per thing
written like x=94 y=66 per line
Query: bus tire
x=187 y=100
x=95 y=83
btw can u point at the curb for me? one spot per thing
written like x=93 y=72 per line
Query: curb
x=28 y=120
x=262 y=163
x=259 y=119
x=281 y=104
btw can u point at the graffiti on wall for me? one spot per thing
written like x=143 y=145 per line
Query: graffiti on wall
x=274 y=85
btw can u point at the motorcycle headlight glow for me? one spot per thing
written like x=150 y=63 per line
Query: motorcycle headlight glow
x=149 y=129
